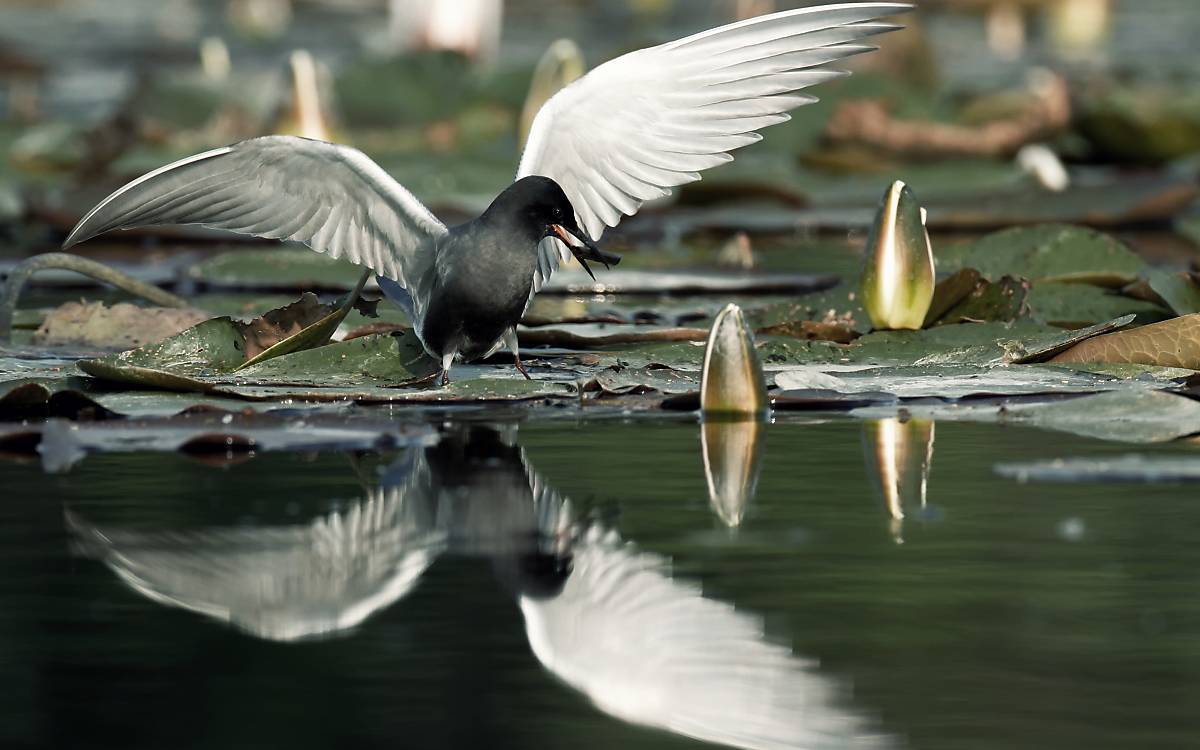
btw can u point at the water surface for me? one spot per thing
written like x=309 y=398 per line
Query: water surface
x=150 y=600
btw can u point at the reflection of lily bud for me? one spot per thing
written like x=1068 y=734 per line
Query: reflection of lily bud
x=307 y=110
x=732 y=381
x=561 y=65
x=898 y=280
x=899 y=455
x=732 y=463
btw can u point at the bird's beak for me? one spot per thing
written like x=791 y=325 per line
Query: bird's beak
x=583 y=247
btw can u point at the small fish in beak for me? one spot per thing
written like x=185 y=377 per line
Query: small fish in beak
x=583 y=248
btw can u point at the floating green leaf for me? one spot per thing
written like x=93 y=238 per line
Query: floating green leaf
x=1080 y=305
x=1048 y=252
x=1177 y=288
x=990 y=301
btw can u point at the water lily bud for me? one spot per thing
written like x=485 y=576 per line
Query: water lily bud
x=898 y=280
x=561 y=65
x=308 y=109
x=732 y=464
x=732 y=381
x=899 y=455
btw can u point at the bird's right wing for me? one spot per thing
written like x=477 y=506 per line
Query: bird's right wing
x=332 y=198
x=654 y=119
x=652 y=650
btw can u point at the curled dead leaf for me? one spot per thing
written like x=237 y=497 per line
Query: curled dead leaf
x=1172 y=343
x=122 y=326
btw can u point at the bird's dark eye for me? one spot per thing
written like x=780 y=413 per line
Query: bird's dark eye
x=557 y=212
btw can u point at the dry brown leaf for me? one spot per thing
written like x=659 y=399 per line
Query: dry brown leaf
x=122 y=326
x=812 y=330
x=272 y=327
x=1172 y=343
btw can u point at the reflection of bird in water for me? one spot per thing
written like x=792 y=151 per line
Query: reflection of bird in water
x=470 y=492
x=605 y=618
x=280 y=583
x=652 y=650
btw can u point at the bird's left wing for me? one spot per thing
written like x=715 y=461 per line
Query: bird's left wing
x=652 y=650
x=651 y=120
x=330 y=197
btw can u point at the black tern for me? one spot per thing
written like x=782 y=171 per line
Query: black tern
x=625 y=133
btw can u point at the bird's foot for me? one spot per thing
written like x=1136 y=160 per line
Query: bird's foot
x=444 y=380
x=523 y=371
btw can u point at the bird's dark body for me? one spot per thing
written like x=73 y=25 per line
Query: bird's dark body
x=481 y=290
x=483 y=273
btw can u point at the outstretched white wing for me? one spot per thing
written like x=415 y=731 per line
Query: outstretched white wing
x=332 y=198
x=651 y=120
x=652 y=650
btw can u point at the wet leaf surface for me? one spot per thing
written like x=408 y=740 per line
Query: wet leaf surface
x=64 y=443
x=1003 y=300
x=1081 y=305
x=1052 y=252
x=957 y=381
x=1128 y=416
x=621 y=381
x=1131 y=468
x=1178 y=289
x=276 y=268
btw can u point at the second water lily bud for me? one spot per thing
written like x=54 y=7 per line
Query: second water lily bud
x=560 y=66
x=898 y=279
x=307 y=110
x=732 y=382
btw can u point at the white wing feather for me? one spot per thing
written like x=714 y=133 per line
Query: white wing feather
x=653 y=651
x=651 y=120
x=332 y=198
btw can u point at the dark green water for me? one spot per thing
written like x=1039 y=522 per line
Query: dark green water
x=1012 y=616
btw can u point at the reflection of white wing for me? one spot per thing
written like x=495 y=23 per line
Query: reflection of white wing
x=651 y=650
x=282 y=583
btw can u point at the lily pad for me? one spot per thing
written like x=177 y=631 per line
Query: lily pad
x=956 y=381
x=1127 y=416
x=619 y=381
x=194 y=359
x=367 y=361
x=575 y=281
x=276 y=268
x=989 y=301
x=64 y=443
x=1139 y=469
x=1177 y=288
x=1172 y=343
x=489 y=390
x=1049 y=252
x=1045 y=349
x=1080 y=305
x=950 y=291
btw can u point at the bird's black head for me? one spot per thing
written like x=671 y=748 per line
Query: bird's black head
x=541 y=209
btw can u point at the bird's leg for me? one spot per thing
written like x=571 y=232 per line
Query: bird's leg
x=447 y=361
x=510 y=340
